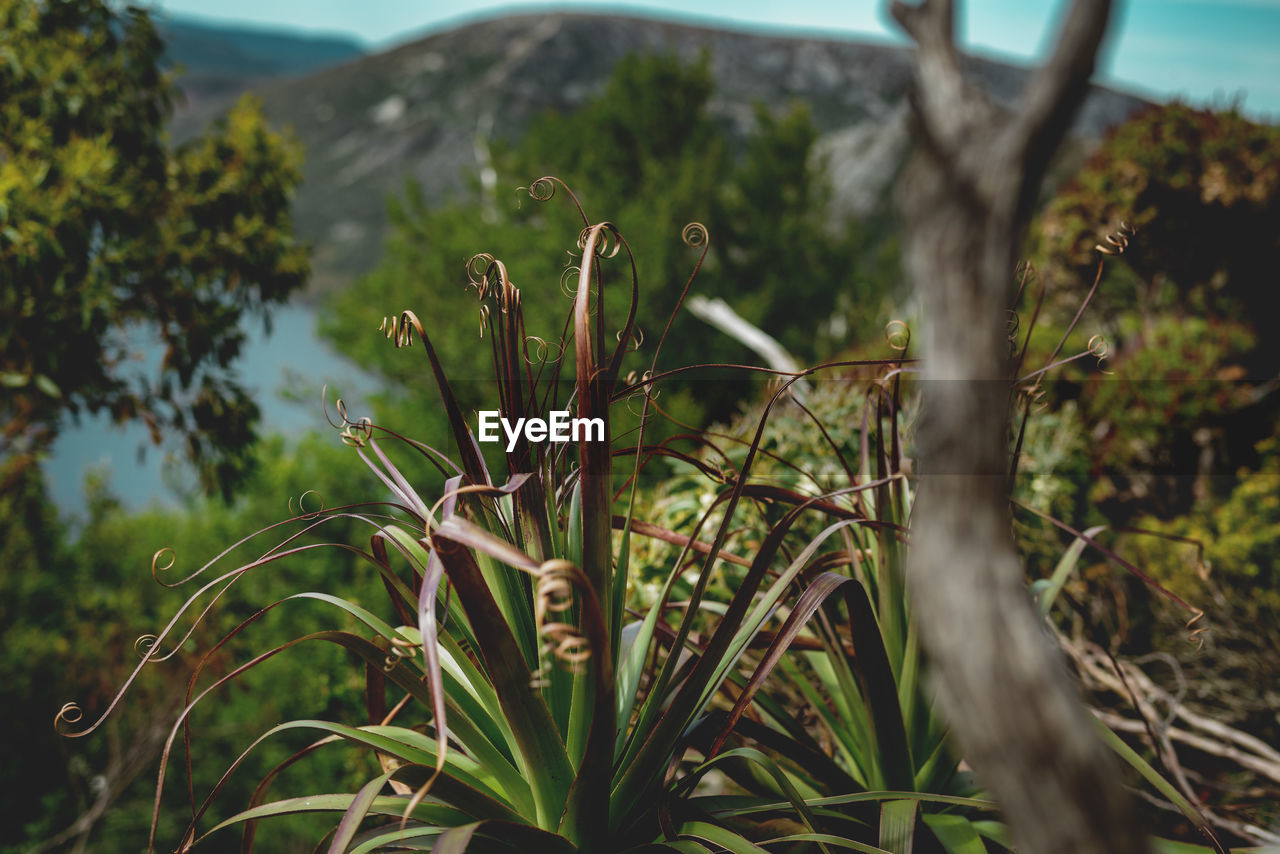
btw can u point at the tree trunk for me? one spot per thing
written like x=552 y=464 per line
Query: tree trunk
x=966 y=198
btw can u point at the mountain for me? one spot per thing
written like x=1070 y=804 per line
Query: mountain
x=425 y=111
x=219 y=62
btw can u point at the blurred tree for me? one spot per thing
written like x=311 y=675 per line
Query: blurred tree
x=783 y=261
x=647 y=155
x=1182 y=306
x=1202 y=189
x=967 y=197
x=110 y=240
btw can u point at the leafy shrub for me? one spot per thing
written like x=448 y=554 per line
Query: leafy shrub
x=1200 y=188
x=1188 y=197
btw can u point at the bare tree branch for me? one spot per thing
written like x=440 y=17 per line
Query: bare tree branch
x=941 y=83
x=1054 y=95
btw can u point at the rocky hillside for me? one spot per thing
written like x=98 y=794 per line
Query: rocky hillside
x=422 y=111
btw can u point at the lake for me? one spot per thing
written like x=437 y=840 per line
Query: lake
x=285 y=370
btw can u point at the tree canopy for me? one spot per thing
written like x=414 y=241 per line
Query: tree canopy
x=113 y=242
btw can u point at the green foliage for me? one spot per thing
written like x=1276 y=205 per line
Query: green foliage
x=1202 y=188
x=1182 y=307
x=1240 y=536
x=110 y=239
x=792 y=454
x=86 y=595
x=1223 y=555
x=648 y=151
x=1175 y=384
x=647 y=134
x=511 y=703
x=1174 y=417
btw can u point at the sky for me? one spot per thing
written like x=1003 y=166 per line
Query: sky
x=1206 y=51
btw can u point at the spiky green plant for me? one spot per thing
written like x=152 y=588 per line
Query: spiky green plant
x=840 y=682
x=844 y=688
x=511 y=705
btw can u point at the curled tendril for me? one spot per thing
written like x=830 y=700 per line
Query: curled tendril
x=569 y=281
x=606 y=247
x=897 y=334
x=636 y=340
x=646 y=391
x=553 y=594
x=634 y=378
x=635 y=400
x=354 y=433
x=357 y=433
x=1117 y=241
x=404 y=647
x=540 y=190
x=543 y=349
x=302 y=512
x=1100 y=350
x=1197 y=634
x=399 y=329
x=695 y=234
x=157 y=565
x=478 y=273
x=484 y=319
x=401 y=648
x=70 y=713
x=1035 y=395
x=143 y=645
x=1012 y=325
x=489 y=276
x=566 y=644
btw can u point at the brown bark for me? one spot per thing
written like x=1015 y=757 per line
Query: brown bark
x=966 y=198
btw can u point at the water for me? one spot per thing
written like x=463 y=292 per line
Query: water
x=285 y=370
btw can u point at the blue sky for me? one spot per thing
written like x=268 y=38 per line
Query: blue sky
x=1208 y=51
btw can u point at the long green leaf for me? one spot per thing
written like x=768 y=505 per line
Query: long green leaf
x=879 y=690
x=356 y=813
x=955 y=833
x=1049 y=592
x=723 y=837
x=861 y=797
x=1154 y=777
x=828 y=839
x=543 y=754
x=898 y=826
